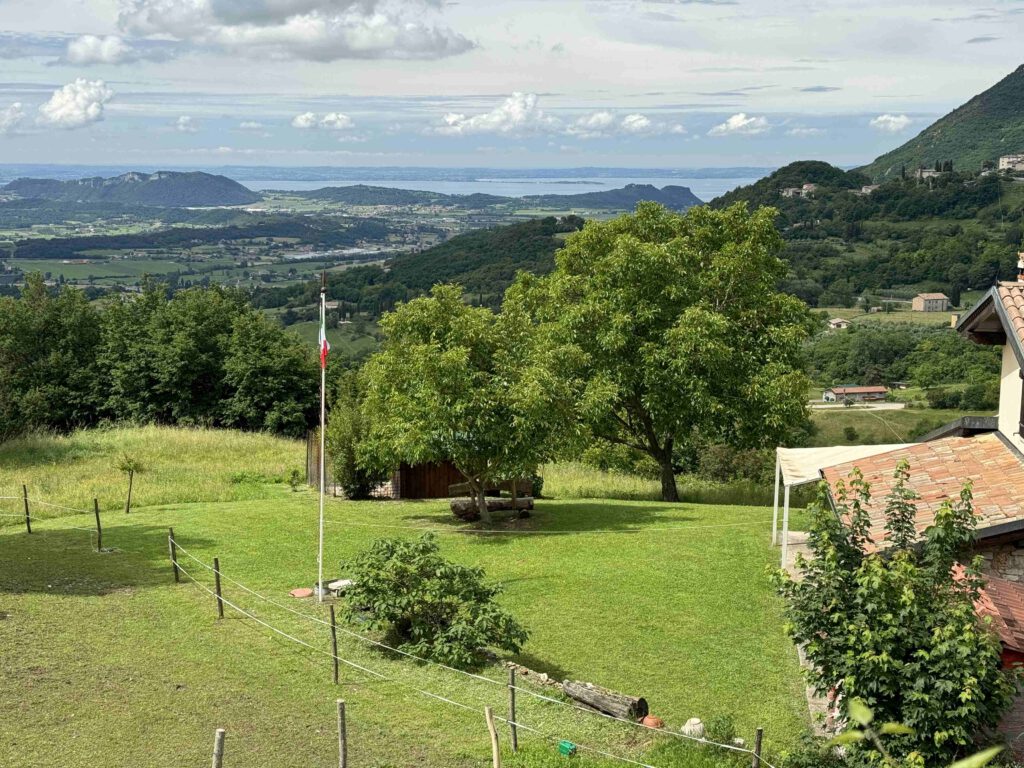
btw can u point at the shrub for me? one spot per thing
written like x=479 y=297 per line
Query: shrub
x=981 y=396
x=850 y=434
x=430 y=606
x=943 y=398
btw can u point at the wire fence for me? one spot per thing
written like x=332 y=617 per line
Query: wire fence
x=482 y=678
x=556 y=532
x=321 y=623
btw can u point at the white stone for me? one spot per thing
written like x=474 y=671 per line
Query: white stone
x=340 y=585
x=739 y=742
x=693 y=728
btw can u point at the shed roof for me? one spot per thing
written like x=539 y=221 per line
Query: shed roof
x=998 y=318
x=938 y=470
x=857 y=390
x=932 y=296
x=804 y=465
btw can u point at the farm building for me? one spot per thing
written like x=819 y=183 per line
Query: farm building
x=838 y=323
x=930 y=302
x=987 y=451
x=854 y=394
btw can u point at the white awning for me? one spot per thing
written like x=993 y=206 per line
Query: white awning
x=803 y=465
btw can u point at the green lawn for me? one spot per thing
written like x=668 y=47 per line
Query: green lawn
x=107 y=663
x=859 y=316
x=347 y=340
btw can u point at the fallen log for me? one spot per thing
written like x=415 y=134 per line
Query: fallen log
x=465 y=508
x=611 y=703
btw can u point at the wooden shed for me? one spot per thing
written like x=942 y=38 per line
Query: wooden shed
x=424 y=481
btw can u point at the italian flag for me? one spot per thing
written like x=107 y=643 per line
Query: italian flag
x=325 y=347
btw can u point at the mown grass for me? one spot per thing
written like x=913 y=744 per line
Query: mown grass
x=107 y=663
x=180 y=466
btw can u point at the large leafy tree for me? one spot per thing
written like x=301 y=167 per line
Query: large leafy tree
x=897 y=629
x=484 y=390
x=681 y=327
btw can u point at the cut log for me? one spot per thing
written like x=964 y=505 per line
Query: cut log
x=611 y=703
x=466 y=509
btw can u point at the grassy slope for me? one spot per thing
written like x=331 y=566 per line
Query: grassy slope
x=875 y=427
x=108 y=663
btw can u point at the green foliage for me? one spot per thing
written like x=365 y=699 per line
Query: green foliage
x=48 y=367
x=129 y=465
x=491 y=393
x=897 y=630
x=681 y=329
x=437 y=609
x=294 y=479
x=346 y=431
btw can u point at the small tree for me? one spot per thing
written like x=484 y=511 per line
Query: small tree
x=432 y=607
x=351 y=467
x=898 y=629
x=130 y=466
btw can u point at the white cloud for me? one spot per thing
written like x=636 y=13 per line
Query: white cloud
x=250 y=125
x=90 y=49
x=331 y=121
x=517 y=115
x=636 y=124
x=11 y=118
x=741 y=124
x=316 y=30
x=890 y=123
x=805 y=133
x=185 y=124
x=76 y=104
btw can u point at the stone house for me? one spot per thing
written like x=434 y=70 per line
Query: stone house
x=930 y=302
x=1011 y=163
x=838 y=323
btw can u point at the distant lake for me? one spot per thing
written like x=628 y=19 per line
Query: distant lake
x=705 y=189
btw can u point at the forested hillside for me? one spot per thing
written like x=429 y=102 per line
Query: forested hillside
x=986 y=127
x=950 y=233
x=484 y=262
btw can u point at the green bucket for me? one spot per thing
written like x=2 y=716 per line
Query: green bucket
x=566 y=748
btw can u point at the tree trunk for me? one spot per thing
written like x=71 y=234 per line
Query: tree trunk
x=481 y=501
x=668 y=479
x=128 y=503
x=616 y=704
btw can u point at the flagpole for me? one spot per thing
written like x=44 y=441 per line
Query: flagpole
x=323 y=409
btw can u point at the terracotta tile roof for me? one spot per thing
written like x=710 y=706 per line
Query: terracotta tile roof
x=1004 y=601
x=1012 y=297
x=856 y=390
x=938 y=470
x=932 y=296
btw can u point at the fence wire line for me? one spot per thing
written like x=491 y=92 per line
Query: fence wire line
x=58 y=506
x=45 y=520
x=385 y=678
x=482 y=678
x=605 y=531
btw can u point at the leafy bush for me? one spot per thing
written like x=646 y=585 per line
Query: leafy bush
x=430 y=606
x=943 y=398
x=850 y=433
x=898 y=629
x=346 y=431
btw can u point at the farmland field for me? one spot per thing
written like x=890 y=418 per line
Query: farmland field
x=667 y=601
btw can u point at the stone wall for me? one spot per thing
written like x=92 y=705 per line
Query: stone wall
x=1004 y=560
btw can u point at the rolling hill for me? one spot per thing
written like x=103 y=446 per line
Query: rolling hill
x=622 y=199
x=989 y=125
x=169 y=189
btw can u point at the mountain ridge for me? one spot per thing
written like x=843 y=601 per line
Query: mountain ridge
x=171 y=189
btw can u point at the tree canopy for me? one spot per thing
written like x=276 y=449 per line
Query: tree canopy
x=680 y=328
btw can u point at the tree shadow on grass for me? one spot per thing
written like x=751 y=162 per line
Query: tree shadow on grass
x=553 y=671
x=549 y=521
x=62 y=561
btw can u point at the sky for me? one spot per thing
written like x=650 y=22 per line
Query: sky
x=489 y=83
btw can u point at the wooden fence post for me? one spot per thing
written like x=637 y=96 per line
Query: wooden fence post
x=334 y=643
x=99 y=528
x=342 y=736
x=28 y=517
x=495 y=749
x=216 y=583
x=756 y=762
x=174 y=554
x=512 y=708
x=218 y=748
